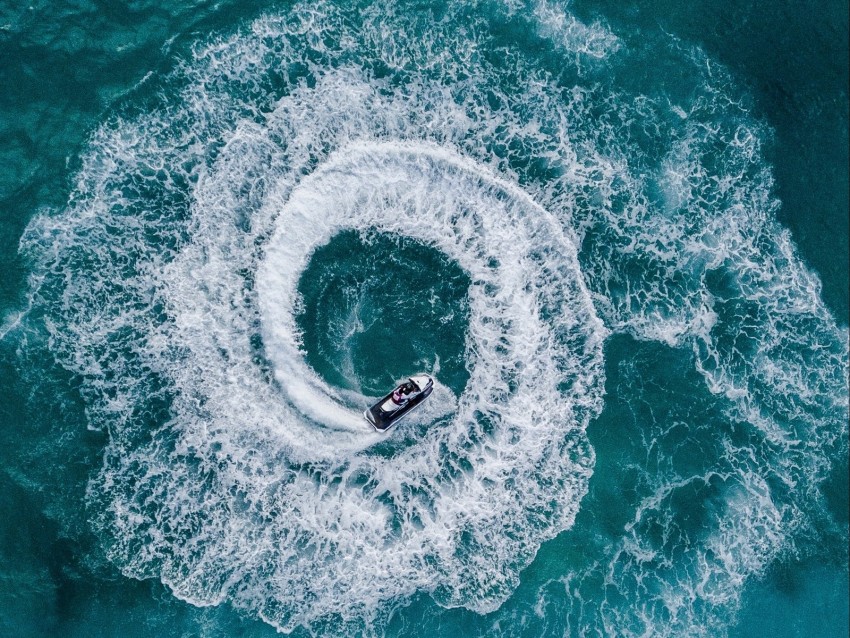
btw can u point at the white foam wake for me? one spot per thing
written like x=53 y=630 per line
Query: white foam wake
x=505 y=242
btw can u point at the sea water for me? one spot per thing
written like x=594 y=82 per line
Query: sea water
x=615 y=234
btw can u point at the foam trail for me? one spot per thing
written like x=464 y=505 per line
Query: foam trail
x=468 y=220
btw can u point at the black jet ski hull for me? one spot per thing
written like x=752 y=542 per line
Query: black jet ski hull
x=383 y=421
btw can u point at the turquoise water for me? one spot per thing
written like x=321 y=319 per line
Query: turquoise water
x=616 y=234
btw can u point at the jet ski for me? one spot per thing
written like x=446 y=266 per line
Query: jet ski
x=400 y=402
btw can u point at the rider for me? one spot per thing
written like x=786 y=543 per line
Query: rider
x=402 y=393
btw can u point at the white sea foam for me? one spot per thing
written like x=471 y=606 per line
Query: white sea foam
x=574 y=36
x=438 y=198
x=181 y=250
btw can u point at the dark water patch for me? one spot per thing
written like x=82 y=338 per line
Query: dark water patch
x=42 y=487
x=836 y=491
x=378 y=307
x=28 y=591
x=796 y=599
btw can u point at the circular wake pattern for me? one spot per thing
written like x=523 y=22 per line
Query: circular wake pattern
x=566 y=190
x=533 y=330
